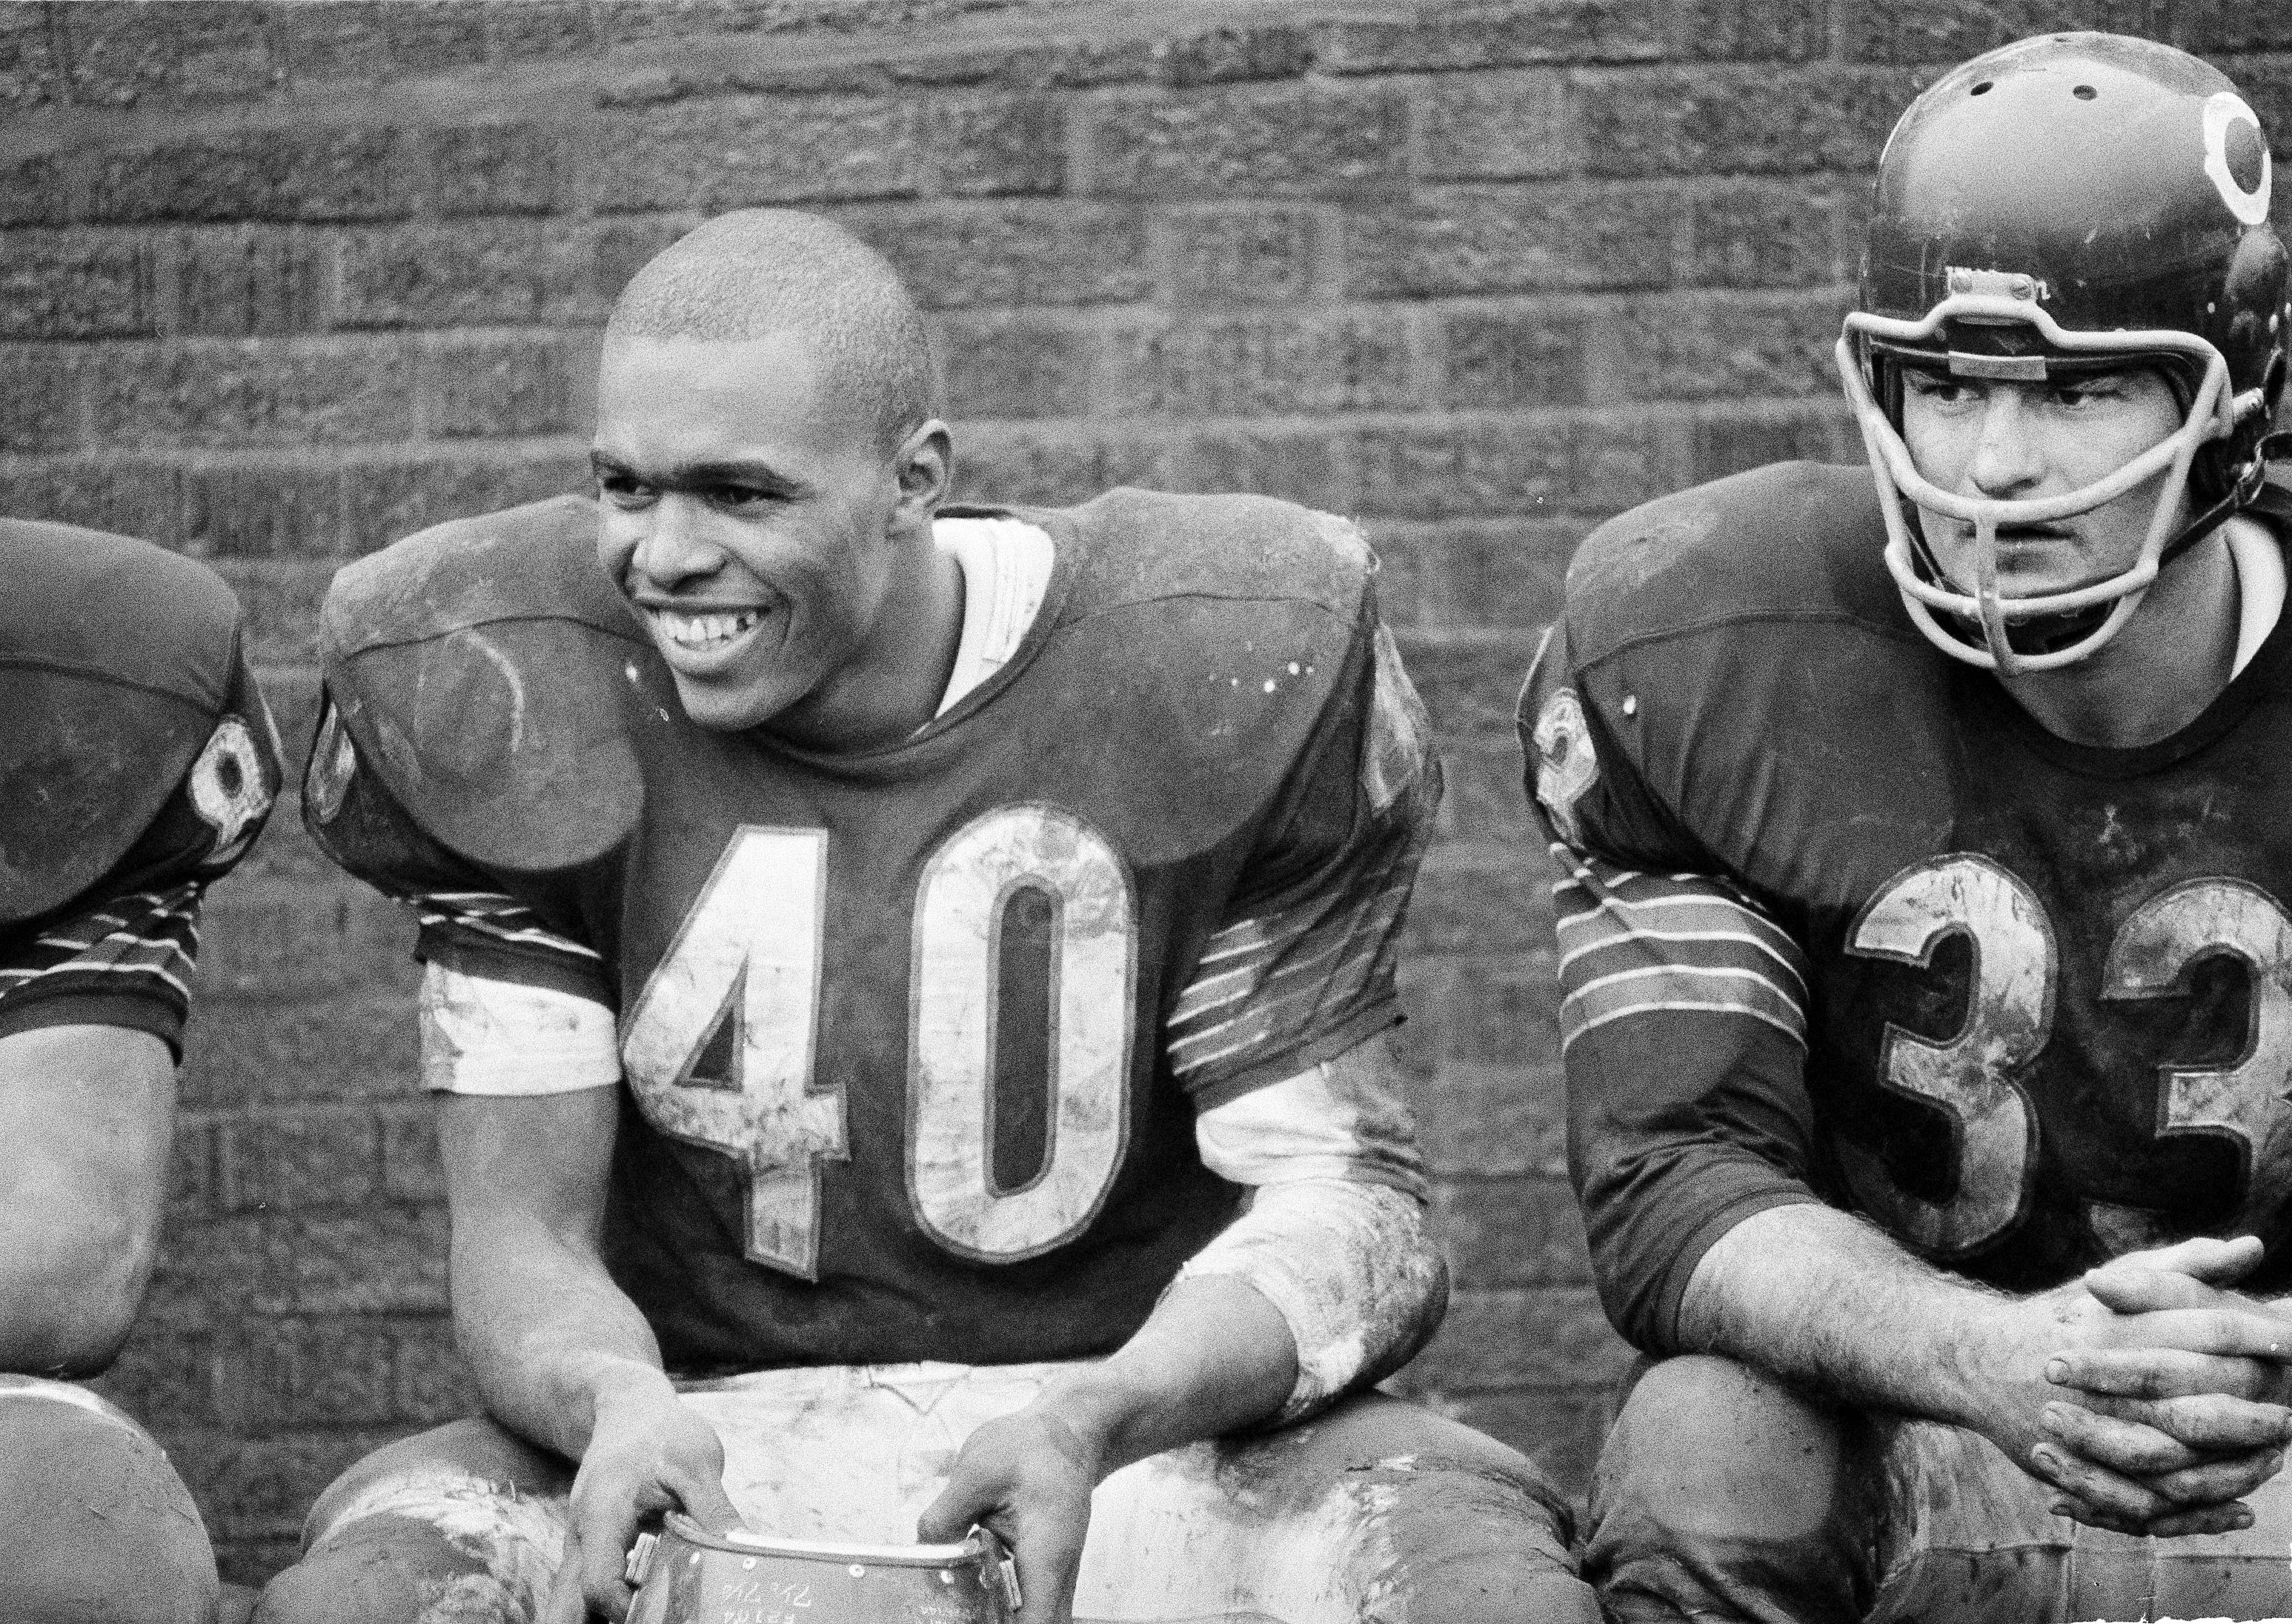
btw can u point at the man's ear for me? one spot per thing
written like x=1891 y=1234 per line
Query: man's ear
x=925 y=467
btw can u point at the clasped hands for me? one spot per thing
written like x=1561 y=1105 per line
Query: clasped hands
x=2164 y=1394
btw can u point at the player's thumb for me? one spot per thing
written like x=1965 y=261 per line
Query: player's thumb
x=705 y=1501
x=950 y=1516
x=565 y=1603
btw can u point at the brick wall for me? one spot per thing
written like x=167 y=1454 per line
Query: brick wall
x=280 y=284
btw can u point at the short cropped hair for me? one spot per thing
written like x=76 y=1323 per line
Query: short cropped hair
x=757 y=272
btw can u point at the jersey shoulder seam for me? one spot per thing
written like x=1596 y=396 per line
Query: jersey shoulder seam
x=350 y=651
x=1721 y=622
x=70 y=668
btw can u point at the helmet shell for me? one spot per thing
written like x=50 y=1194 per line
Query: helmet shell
x=2128 y=181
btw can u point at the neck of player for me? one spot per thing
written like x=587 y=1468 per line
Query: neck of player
x=2173 y=658
x=893 y=685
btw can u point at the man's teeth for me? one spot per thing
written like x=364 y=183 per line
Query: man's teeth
x=705 y=630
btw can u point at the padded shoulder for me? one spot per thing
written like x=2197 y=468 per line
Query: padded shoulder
x=1789 y=541
x=1138 y=546
x=537 y=561
x=133 y=611
x=483 y=668
x=117 y=661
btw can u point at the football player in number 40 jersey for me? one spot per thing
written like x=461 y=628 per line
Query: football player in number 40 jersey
x=137 y=764
x=907 y=992
x=1924 y=941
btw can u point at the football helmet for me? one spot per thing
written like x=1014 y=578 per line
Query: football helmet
x=2075 y=203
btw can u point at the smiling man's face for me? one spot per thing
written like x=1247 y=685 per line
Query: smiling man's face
x=2021 y=440
x=746 y=513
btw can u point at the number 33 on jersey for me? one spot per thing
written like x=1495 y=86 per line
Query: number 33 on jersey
x=1843 y=920
x=914 y=1038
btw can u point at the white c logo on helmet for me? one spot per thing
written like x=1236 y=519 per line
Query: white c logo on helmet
x=2227 y=119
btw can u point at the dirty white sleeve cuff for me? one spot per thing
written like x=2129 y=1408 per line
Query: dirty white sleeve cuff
x=1353 y=1269
x=1343 y=1119
x=482 y=1036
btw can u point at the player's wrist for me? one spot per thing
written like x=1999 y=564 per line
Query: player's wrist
x=1094 y=1412
x=625 y=1391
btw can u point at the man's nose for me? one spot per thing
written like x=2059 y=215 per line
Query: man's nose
x=2006 y=459
x=674 y=547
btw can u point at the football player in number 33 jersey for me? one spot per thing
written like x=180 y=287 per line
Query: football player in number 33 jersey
x=907 y=990
x=1924 y=936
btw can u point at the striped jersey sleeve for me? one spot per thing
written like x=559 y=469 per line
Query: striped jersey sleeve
x=125 y=961
x=1303 y=969
x=1684 y=1014
x=1634 y=945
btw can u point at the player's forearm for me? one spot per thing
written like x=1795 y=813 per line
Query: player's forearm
x=1816 y=1294
x=1214 y=1356
x=551 y=1340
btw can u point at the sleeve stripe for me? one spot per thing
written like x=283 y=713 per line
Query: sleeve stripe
x=1713 y=941
x=1570 y=1030
x=1679 y=987
x=151 y=936
x=1699 y=909
x=83 y=965
x=510 y=922
x=1241 y=981
x=1243 y=936
x=1270 y=1002
x=1258 y=1026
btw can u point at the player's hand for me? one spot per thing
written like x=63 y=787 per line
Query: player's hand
x=1028 y=1476
x=2184 y=1332
x=648 y=1454
x=2165 y=1414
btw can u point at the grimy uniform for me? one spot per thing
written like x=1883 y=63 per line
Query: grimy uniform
x=137 y=764
x=1843 y=922
x=914 y=1037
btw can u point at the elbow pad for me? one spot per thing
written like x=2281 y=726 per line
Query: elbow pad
x=1353 y=1269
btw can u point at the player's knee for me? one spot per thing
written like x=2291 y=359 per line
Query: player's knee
x=463 y=1524
x=99 y=1525
x=391 y=1570
x=1712 y=1447
x=1465 y=1529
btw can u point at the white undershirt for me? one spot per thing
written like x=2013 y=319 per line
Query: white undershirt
x=1006 y=569
x=2259 y=563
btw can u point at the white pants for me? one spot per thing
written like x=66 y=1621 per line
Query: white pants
x=1375 y=1510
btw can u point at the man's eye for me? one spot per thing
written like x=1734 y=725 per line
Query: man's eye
x=623 y=490
x=739 y=495
x=1941 y=391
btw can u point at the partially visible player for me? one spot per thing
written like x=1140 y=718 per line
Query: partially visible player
x=137 y=764
x=1925 y=941
x=907 y=992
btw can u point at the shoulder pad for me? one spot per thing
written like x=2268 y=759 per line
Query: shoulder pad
x=1135 y=546
x=483 y=669
x=1792 y=539
x=117 y=661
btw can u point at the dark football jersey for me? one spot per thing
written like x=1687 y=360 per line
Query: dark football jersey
x=137 y=764
x=913 y=1037
x=1842 y=921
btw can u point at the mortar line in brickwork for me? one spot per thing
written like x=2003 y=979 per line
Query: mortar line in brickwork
x=488 y=90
